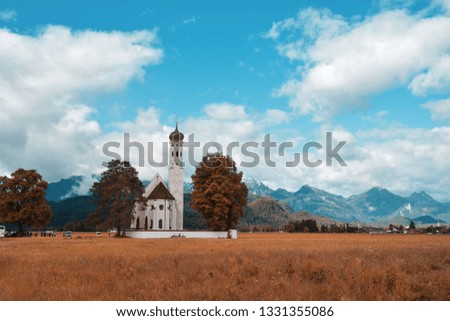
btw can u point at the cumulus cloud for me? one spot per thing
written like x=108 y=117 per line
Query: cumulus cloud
x=444 y=4
x=341 y=63
x=439 y=109
x=275 y=116
x=224 y=111
x=435 y=79
x=44 y=122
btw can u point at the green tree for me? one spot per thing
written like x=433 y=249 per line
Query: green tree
x=219 y=194
x=116 y=195
x=22 y=199
x=412 y=226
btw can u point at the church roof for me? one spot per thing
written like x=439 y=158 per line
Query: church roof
x=176 y=136
x=160 y=192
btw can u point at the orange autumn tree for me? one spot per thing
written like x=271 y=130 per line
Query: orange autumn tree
x=116 y=194
x=22 y=199
x=219 y=193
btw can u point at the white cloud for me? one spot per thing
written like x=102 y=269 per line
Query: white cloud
x=394 y=4
x=8 y=15
x=189 y=21
x=435 y=79
x=275 y=116
x=343 y=63
x=225 y=111
x=45 y=123
x=444 y=4
x=439 y=109
x=309 y=23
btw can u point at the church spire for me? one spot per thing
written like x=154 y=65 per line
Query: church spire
x=176 y=136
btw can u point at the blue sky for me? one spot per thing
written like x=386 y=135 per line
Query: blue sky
x=375 y=73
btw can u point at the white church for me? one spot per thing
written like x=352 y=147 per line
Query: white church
x=163 y=216
x=164 y=205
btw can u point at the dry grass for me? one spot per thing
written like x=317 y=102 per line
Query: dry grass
x=254 y=267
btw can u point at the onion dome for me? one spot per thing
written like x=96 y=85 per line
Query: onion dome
x=176 y=136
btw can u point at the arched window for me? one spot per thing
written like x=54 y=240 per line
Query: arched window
x=146 y=223
x=161 y=207
x=177 y=154
x=160 y=224
x=137 y=224
x=151 y=224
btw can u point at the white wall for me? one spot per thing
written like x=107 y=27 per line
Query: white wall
x=186 y=234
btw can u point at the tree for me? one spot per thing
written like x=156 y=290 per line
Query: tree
x=116 y=195
x=412 y=226
x=305 y=226
x=219 y=195
x=22 y=199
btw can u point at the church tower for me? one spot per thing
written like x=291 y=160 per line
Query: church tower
x=176 y=178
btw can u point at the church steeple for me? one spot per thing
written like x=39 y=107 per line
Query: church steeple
x=176 y=176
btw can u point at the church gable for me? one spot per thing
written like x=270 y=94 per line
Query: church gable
x=150 y=187
x=160 y=192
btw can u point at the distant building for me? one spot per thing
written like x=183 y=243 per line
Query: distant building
x=164 y=205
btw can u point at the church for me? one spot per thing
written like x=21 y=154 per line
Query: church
x=164 y=205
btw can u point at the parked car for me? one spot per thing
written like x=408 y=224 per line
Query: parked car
x=67 y=234
x=98 y=233
x=11 y=234
x=2 y=231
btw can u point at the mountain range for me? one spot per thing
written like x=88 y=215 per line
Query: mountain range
x=376 y=206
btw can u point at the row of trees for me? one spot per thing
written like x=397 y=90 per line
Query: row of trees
x=22 y=199
x=306 y=226
x=310 y=226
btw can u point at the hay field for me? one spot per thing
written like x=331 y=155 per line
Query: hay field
x=254 y=267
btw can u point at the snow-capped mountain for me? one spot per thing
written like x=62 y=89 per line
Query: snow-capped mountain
x=377 y=202
x=257 y=188
x=317 y=201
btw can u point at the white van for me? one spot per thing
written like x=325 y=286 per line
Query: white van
x=2 y=231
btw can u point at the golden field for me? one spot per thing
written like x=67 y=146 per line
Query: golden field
x=253 y=267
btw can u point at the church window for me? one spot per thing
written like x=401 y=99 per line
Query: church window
x=161 y=207
x=177 y=154
x=151 y=224
x=160 y=224
x=137 y=224
x=146 y=223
